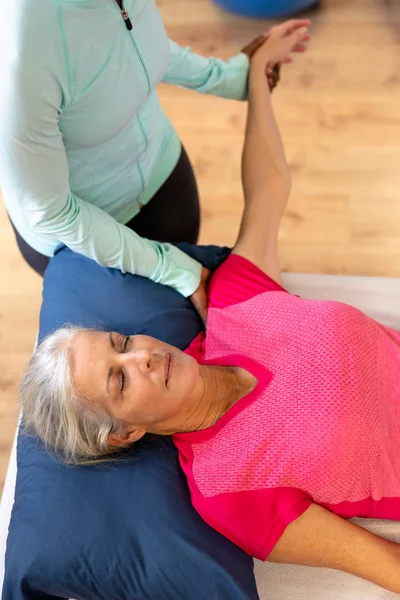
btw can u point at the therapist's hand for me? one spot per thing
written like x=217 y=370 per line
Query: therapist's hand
x=199 y=298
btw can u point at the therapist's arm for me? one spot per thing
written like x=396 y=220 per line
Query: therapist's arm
x=227 y=79
x=35 y=173
x=265 y=173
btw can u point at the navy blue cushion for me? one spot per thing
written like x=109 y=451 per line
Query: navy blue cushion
x=124 y=530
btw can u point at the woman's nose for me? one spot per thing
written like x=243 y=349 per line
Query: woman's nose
x=140 y=358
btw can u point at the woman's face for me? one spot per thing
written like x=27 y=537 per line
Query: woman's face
x=139 y=380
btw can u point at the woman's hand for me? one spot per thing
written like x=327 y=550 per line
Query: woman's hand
x=199 y=298
x=279 y=43
x=272 y=68
x=271 y=73
x=249 y=50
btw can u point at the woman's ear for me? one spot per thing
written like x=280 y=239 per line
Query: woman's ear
x=127 y=437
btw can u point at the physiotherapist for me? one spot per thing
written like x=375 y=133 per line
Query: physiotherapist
x=88 y=158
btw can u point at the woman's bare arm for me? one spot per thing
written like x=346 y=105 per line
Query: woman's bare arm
x=321 y=539
x=265 y=174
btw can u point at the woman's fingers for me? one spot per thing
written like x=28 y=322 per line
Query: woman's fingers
x=284 y=46
x=302 y=43
x=288 y=27
x=285 y=29
x=296 y=41
x=278 y=46
x=299 y=48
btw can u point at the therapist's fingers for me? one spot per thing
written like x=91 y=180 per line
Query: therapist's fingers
x=273 y=75
x=199 y=298
x=253 y=46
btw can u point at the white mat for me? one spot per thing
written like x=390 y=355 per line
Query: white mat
x=378 y=297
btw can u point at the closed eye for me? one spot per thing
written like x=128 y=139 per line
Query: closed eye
x=124 y=348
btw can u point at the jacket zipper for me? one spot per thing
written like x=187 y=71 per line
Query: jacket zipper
x=125 y=16
x=128 y=23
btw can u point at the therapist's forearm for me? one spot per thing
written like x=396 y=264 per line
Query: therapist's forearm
x=227 y=79
x=88 y=230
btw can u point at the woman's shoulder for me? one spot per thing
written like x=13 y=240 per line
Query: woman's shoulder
x=238 y=280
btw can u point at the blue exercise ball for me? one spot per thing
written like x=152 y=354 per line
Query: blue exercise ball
x=266 y=9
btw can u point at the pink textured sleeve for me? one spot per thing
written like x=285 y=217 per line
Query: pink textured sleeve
x=253 y=520
x=238 y=280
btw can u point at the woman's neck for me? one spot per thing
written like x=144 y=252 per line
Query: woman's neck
x=222 y=388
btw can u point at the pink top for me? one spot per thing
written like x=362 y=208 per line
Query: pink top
x=322 y=424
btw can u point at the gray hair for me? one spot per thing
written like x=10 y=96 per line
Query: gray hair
x=76 y=430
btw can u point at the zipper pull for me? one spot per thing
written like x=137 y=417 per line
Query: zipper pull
x=126 y=18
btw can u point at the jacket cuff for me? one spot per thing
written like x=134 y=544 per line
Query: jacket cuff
x=178 y=270
x=235 y=82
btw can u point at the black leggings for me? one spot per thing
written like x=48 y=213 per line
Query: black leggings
x=172 y=215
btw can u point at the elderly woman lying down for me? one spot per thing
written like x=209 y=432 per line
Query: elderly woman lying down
x=286 y=413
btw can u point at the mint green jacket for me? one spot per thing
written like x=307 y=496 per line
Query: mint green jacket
x=83 y=139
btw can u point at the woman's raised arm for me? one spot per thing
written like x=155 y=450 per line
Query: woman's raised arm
x=265 y=173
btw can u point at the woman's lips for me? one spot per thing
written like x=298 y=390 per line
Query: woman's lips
x=169 y=367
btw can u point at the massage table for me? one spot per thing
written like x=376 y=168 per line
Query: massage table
x=378 y=297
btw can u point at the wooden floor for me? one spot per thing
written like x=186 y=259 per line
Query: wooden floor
x=339 y=110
